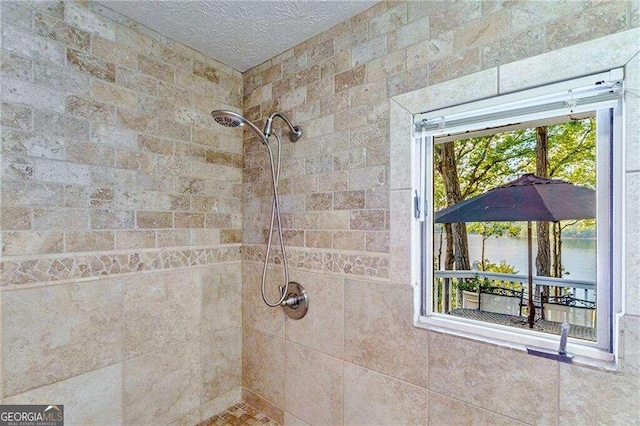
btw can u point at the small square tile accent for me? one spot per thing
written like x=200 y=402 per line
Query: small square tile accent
x=239 y=415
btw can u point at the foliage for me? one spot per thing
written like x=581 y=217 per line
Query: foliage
x=580 y=229
x=488 y=161
x=572 y=153
x=484 y=162
x=471 y=284
x=502 y=267
x=494 y=229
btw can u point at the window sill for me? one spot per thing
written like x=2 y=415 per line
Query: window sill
x=584 y=353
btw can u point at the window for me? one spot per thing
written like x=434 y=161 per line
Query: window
x=479 y=202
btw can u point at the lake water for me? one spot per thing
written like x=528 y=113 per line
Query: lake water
x=578 y=255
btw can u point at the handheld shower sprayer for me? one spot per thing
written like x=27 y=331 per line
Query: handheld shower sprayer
x=293 y=298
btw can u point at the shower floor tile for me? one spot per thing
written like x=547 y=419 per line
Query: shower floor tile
x=239 y=415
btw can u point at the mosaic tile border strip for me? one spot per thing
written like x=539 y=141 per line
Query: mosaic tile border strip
x=239 y=415
x=344 y=263
x=48 y=269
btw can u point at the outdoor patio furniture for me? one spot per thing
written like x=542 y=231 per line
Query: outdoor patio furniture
x=569 y=309
x=501 y=300
x=528 y=198
x=545 y=326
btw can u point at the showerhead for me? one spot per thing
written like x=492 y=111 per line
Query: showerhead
x=233 y=119
x=227 y=121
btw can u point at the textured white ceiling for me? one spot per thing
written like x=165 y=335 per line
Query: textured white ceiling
x=241 y=34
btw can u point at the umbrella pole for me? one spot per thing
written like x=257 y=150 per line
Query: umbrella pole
x=530 y=306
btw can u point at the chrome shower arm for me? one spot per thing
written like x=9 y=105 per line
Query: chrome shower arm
x=295 y=132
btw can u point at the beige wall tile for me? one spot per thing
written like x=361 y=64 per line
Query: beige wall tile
x=112 y=94
x=400 y=242
x=61 y=78
x=90 y=153
x=263 y=372
x=632 y=103
x=89 y=241
x=465 y=89
x=44 y=348
x=154 y=219
x=272 y=411
x=221 y=357
x=321 y=328
x=221 y=297
x=155 y=69
x=349 y=240
x=368 y=220
x=93 y=65
x=443 y=410
x=172 y=238
x=580 y=59
x=134 y=239
x=31 y=242
x=255 y=313
x=60 y=219
x=616 y=394
x=349 y=200
x=291 y=420
x=15 y=218
x=319 y=239
x=138 y=121
x=160 y=310
x=31 y=46
x=162 y=386
x=351 y=78
x=377 y=242
x=466 y=370
x=630 y=346
x=190 y=418
x=218 y=405
x=34 y=145
x=379 y=332
x=54 y=29
x=632 y=270
x=318 y=398
x=14 y=14
x=590 y=23
x=91 y=398
x=82 y=18
x=16 y=91
x=113 y=52
x=16 y=116
x=371 y=398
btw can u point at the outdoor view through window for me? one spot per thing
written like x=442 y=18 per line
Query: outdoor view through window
x=480 y=254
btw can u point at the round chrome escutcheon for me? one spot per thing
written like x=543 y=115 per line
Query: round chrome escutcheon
x=296 y=304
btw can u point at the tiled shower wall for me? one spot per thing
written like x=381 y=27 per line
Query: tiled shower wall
x=357 y=358
x=121 y=219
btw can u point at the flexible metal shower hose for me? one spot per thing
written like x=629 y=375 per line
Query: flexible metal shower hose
x=275 y=216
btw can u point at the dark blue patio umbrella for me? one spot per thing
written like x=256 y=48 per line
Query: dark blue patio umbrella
x=528 y=198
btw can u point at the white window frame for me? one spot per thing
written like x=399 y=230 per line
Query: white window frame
x=609 y=181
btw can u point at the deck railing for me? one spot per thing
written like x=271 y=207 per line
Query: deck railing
x=447 y=296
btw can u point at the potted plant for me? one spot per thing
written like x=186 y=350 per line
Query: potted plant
x=469 y=287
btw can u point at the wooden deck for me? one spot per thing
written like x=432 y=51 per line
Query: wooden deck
x=551 y=327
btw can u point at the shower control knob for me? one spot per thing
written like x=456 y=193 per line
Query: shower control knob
x=296 y=304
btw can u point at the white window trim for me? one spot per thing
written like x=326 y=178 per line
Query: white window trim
x=603 y=350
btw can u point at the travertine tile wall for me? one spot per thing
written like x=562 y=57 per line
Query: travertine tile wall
x=357 y=358
x=120 y=285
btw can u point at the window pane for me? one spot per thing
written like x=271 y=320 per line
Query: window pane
x=480 y=253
